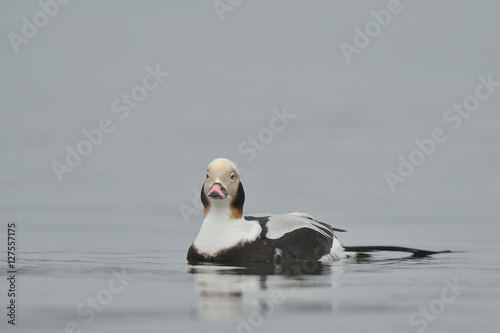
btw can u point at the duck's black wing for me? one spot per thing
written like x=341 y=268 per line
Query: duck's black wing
x=295 y=236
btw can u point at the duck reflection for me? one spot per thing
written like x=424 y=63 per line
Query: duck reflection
x=230 y=291
x=226 y=292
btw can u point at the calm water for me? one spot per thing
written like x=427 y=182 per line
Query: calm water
x=61 y=267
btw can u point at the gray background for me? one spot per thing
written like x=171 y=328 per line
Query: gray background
x=353 y=120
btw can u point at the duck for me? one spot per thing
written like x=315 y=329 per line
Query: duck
x=227 y=235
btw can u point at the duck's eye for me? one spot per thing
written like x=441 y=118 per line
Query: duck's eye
x=208 y=176
x=232 y=176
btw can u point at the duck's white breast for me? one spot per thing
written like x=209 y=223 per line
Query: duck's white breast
x=219 y=232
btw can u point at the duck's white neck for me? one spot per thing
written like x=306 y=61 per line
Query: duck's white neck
x=220 y=232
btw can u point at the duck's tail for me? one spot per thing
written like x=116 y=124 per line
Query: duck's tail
x=377 y=248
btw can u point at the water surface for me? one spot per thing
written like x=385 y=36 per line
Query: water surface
x=60 y=268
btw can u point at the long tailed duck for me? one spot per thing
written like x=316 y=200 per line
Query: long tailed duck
x=226 y=235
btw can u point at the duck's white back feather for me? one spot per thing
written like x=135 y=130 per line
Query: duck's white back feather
x=279 y=225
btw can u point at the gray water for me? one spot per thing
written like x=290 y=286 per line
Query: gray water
x=130 y=208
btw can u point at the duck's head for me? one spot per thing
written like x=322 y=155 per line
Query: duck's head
x=222 y=188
